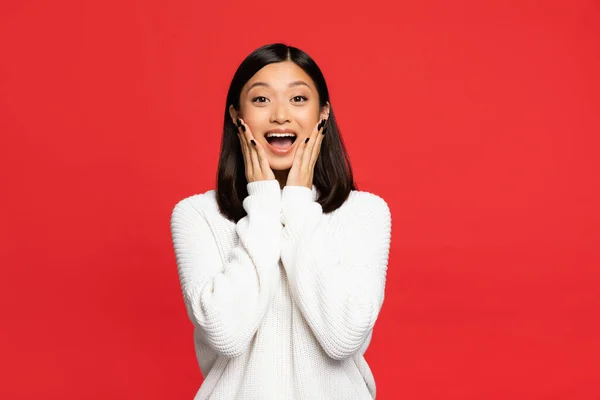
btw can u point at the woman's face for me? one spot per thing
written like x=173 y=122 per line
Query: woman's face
x=280 y=98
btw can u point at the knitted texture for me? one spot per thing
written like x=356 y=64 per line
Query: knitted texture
x=284 y=301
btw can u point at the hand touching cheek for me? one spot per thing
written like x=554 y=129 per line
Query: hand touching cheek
x=305 y=158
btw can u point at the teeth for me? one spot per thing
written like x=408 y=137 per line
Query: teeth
x=281 y=135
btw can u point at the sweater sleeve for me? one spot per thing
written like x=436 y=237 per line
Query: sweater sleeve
x=336 y=266
x=228 y=300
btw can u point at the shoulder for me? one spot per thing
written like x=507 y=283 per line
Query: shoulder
x=365 y=216
x=195 y=205
x=363 y=208
x=360 y=203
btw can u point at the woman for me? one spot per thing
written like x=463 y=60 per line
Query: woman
x=283 y=266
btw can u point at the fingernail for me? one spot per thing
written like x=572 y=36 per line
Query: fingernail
x=324 y=130
x=320 y=125
x=243 y=128
x=306 y=141
x=238 y=122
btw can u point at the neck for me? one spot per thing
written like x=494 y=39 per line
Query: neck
x=281 y=177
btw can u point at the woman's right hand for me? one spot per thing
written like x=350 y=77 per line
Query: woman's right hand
x=255 y=158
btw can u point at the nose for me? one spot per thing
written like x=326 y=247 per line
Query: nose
x=280 y=114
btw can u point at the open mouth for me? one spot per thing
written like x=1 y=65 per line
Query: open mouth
x=281 y=140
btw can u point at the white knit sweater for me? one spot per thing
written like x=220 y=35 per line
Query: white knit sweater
x=283 y=302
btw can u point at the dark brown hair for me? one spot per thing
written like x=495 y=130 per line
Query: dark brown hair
x=332 y=173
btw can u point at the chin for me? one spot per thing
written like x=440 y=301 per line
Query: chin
x=280 y=165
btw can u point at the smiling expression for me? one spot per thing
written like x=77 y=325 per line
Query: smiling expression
x=282 y=100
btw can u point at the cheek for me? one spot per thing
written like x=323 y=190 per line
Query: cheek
x=255 y=115
x=308 y=119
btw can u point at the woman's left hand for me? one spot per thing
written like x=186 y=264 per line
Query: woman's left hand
x=305 y=158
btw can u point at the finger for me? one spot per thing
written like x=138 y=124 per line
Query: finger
x=304 y=154
x=251 y=143
x=297 y=163
x=245 y=152
x=306 y=158
x=247 y=160
x=316 y=149
x=264 y=162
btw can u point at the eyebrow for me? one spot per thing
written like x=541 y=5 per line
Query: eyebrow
x=265 y=84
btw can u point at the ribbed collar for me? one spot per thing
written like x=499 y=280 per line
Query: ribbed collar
x=315 y=193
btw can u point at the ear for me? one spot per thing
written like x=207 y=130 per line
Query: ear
x=233 y=114
x=325 y=111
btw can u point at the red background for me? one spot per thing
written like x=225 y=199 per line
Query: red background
x=477 y=121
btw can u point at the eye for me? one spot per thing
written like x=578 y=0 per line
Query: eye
x=261 y=98
x=302 y=98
